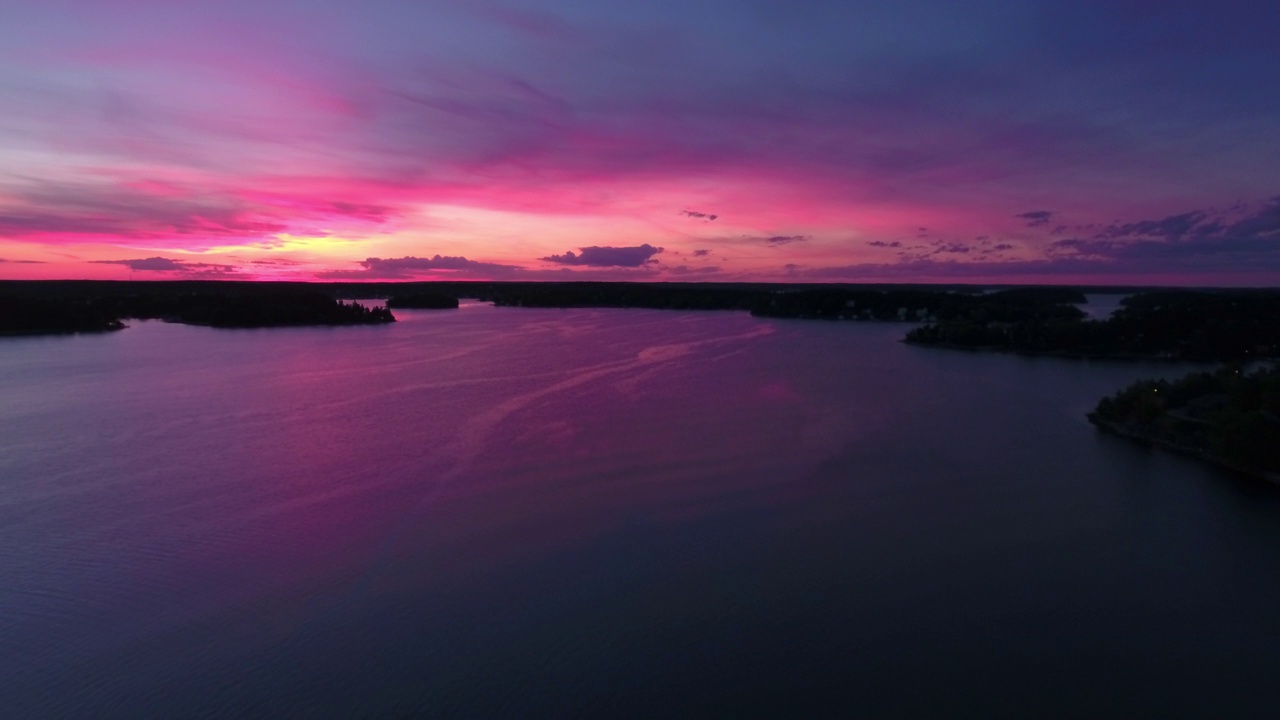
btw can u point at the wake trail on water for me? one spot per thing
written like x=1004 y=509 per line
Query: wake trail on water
x=474 y=434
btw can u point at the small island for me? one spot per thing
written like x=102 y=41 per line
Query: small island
x=1230 y=417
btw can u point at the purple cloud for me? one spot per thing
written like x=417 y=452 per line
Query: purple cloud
x=1186 y=242
x=698 y=215
x=686 y=270
x=167 y=265
x=785 y=239
x=1037 y=218
x=596 y=256
x=409 y=266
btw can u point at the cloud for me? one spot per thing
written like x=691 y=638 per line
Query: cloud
x=151 y=264
x=686 y=270
x=595 y=256
x=701 y=253
x=698 y=215
x=1037 y=218
x=785 y=239
x=409 y=266
x=858 y=111
x=23 y=262
x=167 y=265
x=1237 y=240
x=277 y=262
x=883 y=244
x=1174 y=227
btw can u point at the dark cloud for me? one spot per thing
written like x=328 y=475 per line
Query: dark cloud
x=883 y=244
x=166 y=265
x=409 y=266
x=1173 y=227
x=774 y=240
x=23 y=262
x=698 y=215
x=151 y=264
x=951 y=249
x=1001 y=247
x=686 y=270
x=701 y=253
x=1037 y=218
x=1188 y=242
x=595 y=256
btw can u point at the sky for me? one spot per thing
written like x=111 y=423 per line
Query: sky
x=1116 y=142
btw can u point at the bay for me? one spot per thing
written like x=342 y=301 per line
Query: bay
x=555 y=513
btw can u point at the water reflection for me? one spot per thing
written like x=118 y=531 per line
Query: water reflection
x=608 y=512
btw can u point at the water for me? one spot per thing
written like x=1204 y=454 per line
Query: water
x=547 y=513
x=1100 y=306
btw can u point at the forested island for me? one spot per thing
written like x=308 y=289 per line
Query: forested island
x=1221 y=325
x=39 y=309
x=1230 y=417
x=46 y=316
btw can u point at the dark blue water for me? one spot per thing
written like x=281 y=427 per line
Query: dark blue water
x=544 y=513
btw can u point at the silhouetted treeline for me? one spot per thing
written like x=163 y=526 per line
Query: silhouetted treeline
x=40 y=316
x=58 y=307
x=1231 y=417
x=916 y=305
x=273 y=309
x=1173 y=324
x=423 y=301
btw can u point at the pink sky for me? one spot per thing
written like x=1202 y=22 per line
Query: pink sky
x=701 y=141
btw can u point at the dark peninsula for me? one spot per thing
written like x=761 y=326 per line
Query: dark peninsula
x=1229 y=417
x=277 y=309
x=51 y=316
x=62 y=307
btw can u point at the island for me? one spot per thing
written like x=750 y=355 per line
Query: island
x=256 y=310
x=1230 y=417
x=71 y=307
x=1195 y=325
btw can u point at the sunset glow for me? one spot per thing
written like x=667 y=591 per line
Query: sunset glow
x=1005 y=142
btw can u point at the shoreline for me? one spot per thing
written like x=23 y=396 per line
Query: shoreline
x=1135 y=434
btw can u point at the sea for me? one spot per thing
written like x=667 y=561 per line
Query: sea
x=544 y=513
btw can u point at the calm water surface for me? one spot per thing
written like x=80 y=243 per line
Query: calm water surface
x=547 y=513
